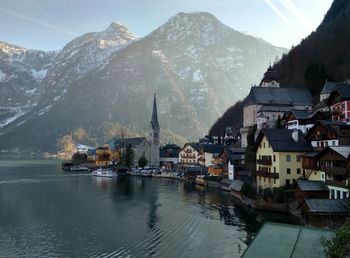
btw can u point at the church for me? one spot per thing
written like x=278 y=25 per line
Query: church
x=154 y=136
x=267 y=102
x=143 y=146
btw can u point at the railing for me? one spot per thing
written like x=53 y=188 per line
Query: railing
x=264 y=162
x=335 y=170
x=335 y=183
x=267 y=174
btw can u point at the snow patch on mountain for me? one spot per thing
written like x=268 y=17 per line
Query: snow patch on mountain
x=2 y=76
x=39 y=75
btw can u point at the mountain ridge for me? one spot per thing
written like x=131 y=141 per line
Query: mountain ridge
x=196 y=75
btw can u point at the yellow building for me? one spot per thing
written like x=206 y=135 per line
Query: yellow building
x=278 y=157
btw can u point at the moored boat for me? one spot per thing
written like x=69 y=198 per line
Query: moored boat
x=104 y=172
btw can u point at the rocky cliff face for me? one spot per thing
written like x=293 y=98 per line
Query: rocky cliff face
x=197 y=66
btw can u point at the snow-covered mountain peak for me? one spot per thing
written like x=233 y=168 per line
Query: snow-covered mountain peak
x=10 y=49
x=201 y=28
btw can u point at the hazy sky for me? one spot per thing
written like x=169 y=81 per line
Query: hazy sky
x=50 y=24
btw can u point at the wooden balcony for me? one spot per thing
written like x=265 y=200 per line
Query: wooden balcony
x=267 y=174
x=335 y=183
x=335 y=170
x=267 y=162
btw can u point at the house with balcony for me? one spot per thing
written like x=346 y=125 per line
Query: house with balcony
x=332 y=161
x=339 y=103
x=208 y=153
x=169 y=155
x=302 y=120
x=328 y=133
x=311 y=167
x=278 y=157
x=189 y=154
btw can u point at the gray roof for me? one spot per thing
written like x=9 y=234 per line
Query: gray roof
x=303 y=114
x=338 y=206
x=279 y=96
x=274 y=109
x=285 y=240
x=212 y=148
x=328 y=87
x=342 y=150
x=236 y=185
x=236 y=150
x=311 y=154
x=306 y=185
x=281 y=140
x=343 y=90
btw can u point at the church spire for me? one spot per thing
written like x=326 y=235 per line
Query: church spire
x=154 y=121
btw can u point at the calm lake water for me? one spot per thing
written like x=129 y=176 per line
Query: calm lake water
x=45 y=212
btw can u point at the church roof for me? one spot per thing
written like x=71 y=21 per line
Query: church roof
x=278 y=96
x=154 y=121
x=270 y=75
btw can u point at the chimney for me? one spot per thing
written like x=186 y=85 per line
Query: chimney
x=295 y=134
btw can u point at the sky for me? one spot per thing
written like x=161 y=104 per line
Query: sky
x=50 y=24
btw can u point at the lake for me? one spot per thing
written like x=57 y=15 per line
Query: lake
x=46 y=212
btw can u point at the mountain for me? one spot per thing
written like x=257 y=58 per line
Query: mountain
x=81 y=56
x=196 y=65
x=21 y=73
x=324 y=54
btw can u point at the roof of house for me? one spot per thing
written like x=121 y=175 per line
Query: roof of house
x=273 y=109
x=342 y=89
x=329 y=125
x=212 y=148
x=281 y=139
x=194 y=145
x=279 y=96
x=306 y=185
x=312 y=154
x=236 y=185
x=338 y=206
x=285 y=240
x=135 y=141
x=169 y=151
x=328 y=87
x=342 y=150
x=303 y=114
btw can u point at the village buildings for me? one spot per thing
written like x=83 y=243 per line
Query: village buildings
x=278 y=157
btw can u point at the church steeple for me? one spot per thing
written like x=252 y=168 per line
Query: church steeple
x=154 y=121
x=154 y=136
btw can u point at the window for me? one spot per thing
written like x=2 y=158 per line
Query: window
x=288 y=158
x=288 y=170
x=332 y=193
x=264 y=146
x=326 y=144
x=338 y=194
x=333 y=143
x=274 y=169
x=287 y=182
x=274 y=158
x=298 y=171
x=298 y=158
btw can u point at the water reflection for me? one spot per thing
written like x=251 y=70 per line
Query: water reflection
x=57 y=214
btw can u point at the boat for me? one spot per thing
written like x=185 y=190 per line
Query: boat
x=104 y=172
